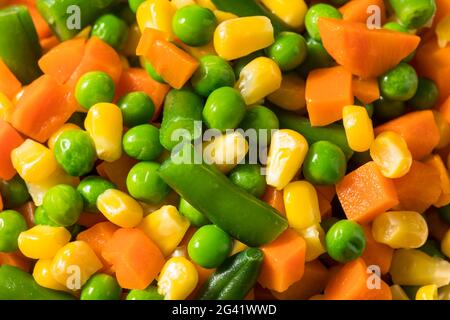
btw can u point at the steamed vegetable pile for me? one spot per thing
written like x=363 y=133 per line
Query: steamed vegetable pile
x=348 y=193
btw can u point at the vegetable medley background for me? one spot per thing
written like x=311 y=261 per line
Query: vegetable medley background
x=225 y=149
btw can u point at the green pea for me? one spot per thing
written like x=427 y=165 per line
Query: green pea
x=288 y=51
x=213 y=73
x=101 y=287
x=325 y=163
x=320 y=10
x=444 y=213
x=94 y=87
x=400 y=83
x=327 y=223
x=137 y=108
x=152 y=72
x=240 y=63
x=426 y=95
x=263 y=120
x=386 y=109
x=12 y=223
x=90 y=188
x=144 y=183
x=142 y=142
x=431 y=248
x=249 y=178
x=316 y=57
x=134 y=4
x=63 y=205
x=151 y=293
x=14 y=192
x=224 y=109
x=414 y=14
x=111 y=29
x=194 y=25
x=41 y=217
x=195 y=217
x=75 y=152
x=209 y=246
x=345 y=241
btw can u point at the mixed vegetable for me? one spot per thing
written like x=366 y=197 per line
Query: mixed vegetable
x=225 y=149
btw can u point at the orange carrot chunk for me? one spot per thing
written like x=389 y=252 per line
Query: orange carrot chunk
x=43 y=108
x=313 y=282
x=327 y=108
x=419 y=130
x=419 y=188
x=1 y=203
x=117 y=171
x=366 y=193
x=136 y=259
x=436 y=162
x=173 y=64
x=284 y=261
x=274 y=197
x=352 y=281
x=366 y=90
x=444 y=109
x=61 y=61
x=98 y=56
x=360 y=10
x=10 y=139
x=9 y=85
x=16 y=259
x=365 y=53
x=97 y=237
x=134 y=79
x=376 y=253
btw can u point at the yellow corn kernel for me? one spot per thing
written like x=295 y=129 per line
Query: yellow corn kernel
x=6 y=107
x=226 y=151
x=443 y=31
x=391 y=154
x=429 y=292
x=85 y=33
x=199 y=52
x=445 y=244
x=37 y=190
x=120 y=208
x=33 y=161
x=178 y=278
x=314 y=237
x=207 y=4
x=222 y=16
x=237 y=247
x=286 y=154
x=42 y=274
x=166 y=227
x=291 y=94
x=444 y=130
x=292 y=12
x=236 y=38
x=66 y=127
x=411 y=267
x=74 y=264
x=358 y=128
x=156 y=14
x=301 y=204
x=444 y=293
x=42 y=242
x=400 y=229
x=134 y=35
x=104 y=124
x=258 y=79
x=182 y=3
x=398 y=293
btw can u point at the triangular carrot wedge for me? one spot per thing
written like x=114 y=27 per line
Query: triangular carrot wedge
x=365 y=53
